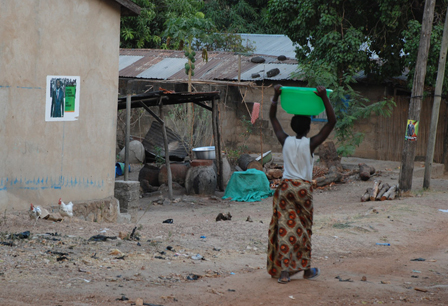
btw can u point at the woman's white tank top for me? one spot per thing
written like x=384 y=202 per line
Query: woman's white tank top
x=298 y=161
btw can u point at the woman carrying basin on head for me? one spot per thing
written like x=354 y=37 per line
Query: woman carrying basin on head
x=290 y=230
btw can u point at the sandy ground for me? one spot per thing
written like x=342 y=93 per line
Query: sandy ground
x=232 y=270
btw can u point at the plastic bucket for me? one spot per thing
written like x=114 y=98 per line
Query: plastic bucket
x=119 y=169
x=302 y=101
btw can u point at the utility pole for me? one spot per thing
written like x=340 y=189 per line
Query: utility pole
x=408 y=156
x=436 y=106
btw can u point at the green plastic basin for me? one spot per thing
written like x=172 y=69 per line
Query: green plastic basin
x=302 y=101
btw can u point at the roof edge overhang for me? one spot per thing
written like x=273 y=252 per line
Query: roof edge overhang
x=128 y=8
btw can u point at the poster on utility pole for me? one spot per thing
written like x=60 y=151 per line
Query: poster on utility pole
x=62 y=98
x=411 y=130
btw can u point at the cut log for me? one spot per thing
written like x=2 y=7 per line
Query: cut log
x=329 y=178
x=392 y=195
x=248 y=162
x=254 y=165
x=244 y=160
x=365 y=171
x=375 y=190
x=274 y=174
x=388 y=193
x=366 y=196
x=385 y=187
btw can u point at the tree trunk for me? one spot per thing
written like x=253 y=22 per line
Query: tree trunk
x=329 y=156
x=408 y=155
x=436 y=106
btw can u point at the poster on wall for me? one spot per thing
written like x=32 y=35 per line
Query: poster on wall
x=411 y=130
x=62 y=98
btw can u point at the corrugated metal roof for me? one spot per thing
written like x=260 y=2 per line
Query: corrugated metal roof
x=268 y=44
x=170 y=65
x=126 y=60
x=164 y=69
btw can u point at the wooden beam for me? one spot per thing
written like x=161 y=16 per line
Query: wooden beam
x=217 y=141
x=167 y=154
x=151 y=113
x=203 y=105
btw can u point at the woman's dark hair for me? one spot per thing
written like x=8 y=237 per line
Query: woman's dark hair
x=301 y=124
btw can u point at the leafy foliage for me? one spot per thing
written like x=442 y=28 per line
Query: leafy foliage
x=357 y=35
x=163 y=17
x=348 y=104
x=244 y=16
x=412 y=37
x=340 y=38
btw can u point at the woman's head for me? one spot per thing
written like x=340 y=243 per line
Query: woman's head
x=301 y=124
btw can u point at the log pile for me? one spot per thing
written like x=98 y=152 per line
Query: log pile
x=380 y=192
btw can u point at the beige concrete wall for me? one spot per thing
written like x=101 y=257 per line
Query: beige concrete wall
x=42 y=161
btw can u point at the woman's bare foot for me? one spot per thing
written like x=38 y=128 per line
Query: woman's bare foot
x=311 y=273
x=284 y=278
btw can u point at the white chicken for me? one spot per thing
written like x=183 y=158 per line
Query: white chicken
x=35 y=212
x=66 y=210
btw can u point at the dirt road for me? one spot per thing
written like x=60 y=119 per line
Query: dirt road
x=232 y=269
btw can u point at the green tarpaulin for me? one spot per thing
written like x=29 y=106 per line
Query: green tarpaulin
x=248 y=186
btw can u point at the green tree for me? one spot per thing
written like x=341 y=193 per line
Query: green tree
x=340 y=38
x=145 y=31
x=240 y=16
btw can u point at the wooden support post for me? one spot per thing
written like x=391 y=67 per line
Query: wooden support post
x=436 y=106
x=217 y=141
x=128 y=131
x=167 y=154
x=239 y=68
x=408 y=156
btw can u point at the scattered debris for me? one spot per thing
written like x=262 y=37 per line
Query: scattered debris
x=169 y=221
x=364 y=278
x=385 y=282
x=211 y=290
x=223 y=217
x=344 y=280
x=23 y=235
x=420 y=289
x=101 y=238
x=249 y=219
x=122 y=298
x=231 y=290
x=418 y=259
x=7 y=243
x=193 y=277
x=197 y=257
x=292 y=297
x=385 y=244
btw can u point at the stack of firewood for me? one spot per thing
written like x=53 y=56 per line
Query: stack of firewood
x=380 y=192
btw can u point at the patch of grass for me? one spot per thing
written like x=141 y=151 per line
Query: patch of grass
x=342 y=225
